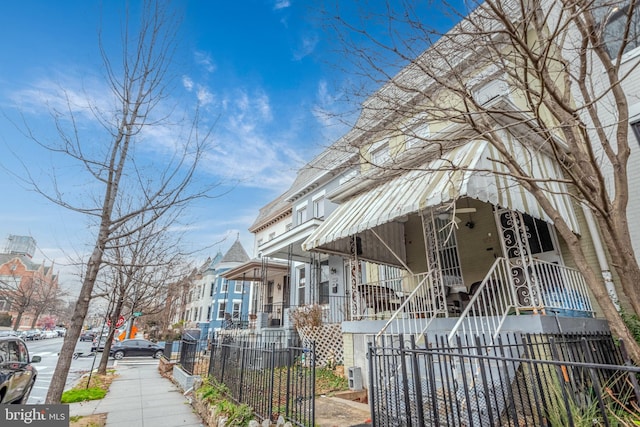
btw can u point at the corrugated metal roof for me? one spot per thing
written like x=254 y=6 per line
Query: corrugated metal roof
x=470 y=170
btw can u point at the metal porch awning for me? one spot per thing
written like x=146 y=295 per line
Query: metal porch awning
x=472 y=170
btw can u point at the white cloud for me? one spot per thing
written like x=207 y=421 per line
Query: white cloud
x=281 y=4
x=187 y=82
x=306 y=46
x=204 y=59
x=205 y=97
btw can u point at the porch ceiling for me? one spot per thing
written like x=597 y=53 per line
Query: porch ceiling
x=252 y=270
x=289 y=244
x=473 y=170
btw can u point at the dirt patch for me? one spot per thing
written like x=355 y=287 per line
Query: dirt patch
x=95 y=420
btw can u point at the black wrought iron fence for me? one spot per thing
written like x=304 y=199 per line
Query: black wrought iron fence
x=273 y=380
x=188 y=353
x=521 y=380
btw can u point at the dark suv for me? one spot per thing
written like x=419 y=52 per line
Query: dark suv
x=17 y=376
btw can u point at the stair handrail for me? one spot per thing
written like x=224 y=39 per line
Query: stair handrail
x=407 y=301
x=476 y=299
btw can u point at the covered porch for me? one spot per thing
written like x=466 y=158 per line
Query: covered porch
x=468 y=241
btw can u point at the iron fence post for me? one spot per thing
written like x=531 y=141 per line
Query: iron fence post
x=372 y=398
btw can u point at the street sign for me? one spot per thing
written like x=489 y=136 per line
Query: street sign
x=120 y=321
x=137 y=313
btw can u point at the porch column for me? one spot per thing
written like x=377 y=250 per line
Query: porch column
x=354 y=273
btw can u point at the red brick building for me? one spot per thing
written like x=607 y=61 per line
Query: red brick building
x=27 y=289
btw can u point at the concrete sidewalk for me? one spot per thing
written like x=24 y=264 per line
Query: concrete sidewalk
x=140 y=397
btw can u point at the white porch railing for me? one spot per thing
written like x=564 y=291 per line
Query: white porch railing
x=540 y=288
x=507 y=289
x=426 y=302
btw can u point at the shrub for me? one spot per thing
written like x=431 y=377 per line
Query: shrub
x=215 y=394
x=306 y=316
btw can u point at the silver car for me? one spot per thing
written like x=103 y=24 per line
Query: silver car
x=17 y=375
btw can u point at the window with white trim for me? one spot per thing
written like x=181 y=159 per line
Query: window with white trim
x=236 y=309
x=223 y=286
x=381 y=156
x=238 y=287
x=301 y=285
x=324 y=283
x=318 y=207
x=417 y=130
x=222 y=307
x=301 y=215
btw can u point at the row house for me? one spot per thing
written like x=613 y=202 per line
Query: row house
x=413 y=224
x=216 y=302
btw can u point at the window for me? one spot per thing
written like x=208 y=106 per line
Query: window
x=636 y=129
x=538 y=235
x=616 y=20
x=223 y=286
x=213 y=288
x=324 y=283
x=238 y=288
x=301 y=285
x=301 y=215
x=318 y=208
x=5 y=304
x=208 y=313
x=417 y=131
x=237 y=310
x=380 y=157
x=222 y=307
x=348 y=176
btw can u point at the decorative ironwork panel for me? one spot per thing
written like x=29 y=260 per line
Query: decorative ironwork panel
x=514 y=238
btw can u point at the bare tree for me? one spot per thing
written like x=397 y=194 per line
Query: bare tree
x=138 y=269
x=20 y=292
x=559 y=77
x=139 y=82
x=46 y=298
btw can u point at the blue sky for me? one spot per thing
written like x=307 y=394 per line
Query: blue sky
x=261 y=70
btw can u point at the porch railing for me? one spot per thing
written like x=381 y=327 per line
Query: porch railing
x=539 y=288
x=418 y=309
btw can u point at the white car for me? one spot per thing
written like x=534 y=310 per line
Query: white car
x=50 y=334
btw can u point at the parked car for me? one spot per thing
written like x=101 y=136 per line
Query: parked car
x=17 y=375
x=87 y=336
x=135 y=347
x=50 y=334
x=32 y=335
x=98 y=343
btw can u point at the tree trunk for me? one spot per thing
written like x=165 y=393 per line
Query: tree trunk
x=16 y=325
x=73 y=333
x=102 y=368
x=34 y=322
x=599 y=291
